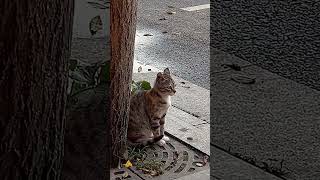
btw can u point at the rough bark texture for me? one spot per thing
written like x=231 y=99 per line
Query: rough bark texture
x=35 y=44
x=123 y=28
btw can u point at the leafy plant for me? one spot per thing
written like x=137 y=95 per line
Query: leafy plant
x=86 y=76
x=136 y=153
x=140 y=85
x=83 y=77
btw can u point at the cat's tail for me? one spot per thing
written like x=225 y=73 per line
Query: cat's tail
x=145 y=142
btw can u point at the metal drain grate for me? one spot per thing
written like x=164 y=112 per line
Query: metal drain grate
x=179 y=160
x=118 y=174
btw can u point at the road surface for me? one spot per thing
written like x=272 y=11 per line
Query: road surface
x=179 y=40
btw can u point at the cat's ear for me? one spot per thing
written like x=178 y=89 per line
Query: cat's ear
x=159 y=74
x=166 y=71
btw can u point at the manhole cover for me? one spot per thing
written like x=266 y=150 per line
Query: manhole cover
x=177 y=160
x=123 y=173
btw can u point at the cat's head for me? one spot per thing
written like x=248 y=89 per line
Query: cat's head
x=164 y=83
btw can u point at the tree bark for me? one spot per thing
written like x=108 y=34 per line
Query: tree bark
x=123 y=29
x=35 y=41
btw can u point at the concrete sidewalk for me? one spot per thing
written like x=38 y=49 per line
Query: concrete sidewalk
x=270 y=121
x=188 y=117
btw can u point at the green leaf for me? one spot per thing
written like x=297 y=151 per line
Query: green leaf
x=140 y=85
x=145 y=85
x=84 y=74
x=134 y=87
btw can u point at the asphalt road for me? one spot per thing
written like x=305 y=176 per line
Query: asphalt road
x=180 y=42
x=281 y=37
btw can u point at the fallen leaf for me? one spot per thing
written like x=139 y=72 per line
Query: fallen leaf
x=233 y=66
x=153 y=173
x=199 y=164
x=125 y=175
x=184 y=129
x=140 y=69
x=164 y=32
x=243 y=79
x=145 y=171
x=162 y=19
x=147 y=35
x=171 y=12
x=95 y=25
x=128 y=164
x=190 y=138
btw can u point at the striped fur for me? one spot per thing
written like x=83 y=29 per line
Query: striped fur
x=148 y=110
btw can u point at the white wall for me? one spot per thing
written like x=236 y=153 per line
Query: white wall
x=83 y=13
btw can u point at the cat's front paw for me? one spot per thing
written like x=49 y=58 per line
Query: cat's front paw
x=166 y=138
x=161 y=142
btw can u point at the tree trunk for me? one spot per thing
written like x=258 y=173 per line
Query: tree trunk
x=123 y=29
x=35 y=39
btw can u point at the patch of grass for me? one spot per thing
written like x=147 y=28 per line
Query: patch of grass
x=137 y=155
x=151 y=167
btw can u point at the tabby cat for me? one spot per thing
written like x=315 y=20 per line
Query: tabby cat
x=148 y=110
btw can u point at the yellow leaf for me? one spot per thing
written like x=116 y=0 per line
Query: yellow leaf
x=128 y=164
